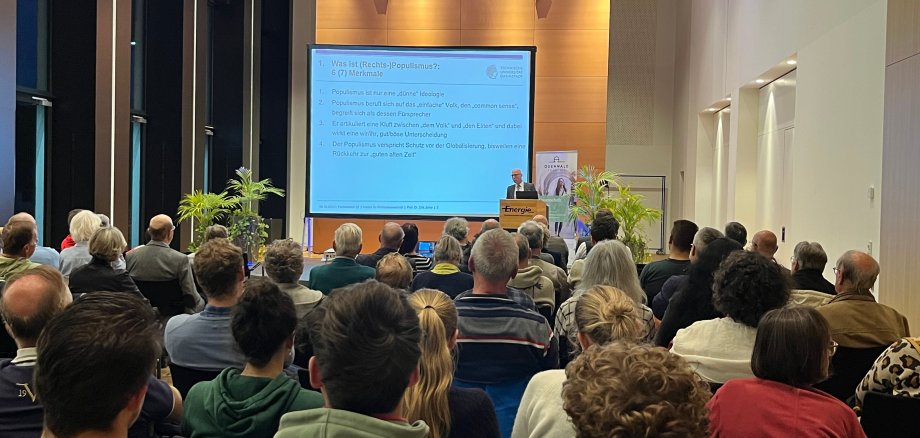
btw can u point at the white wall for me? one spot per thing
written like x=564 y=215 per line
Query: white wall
x=840 y=47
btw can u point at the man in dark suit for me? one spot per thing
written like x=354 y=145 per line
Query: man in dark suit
x=808 y=261
x=518 y=186
x=343 y=270
x=391 y=237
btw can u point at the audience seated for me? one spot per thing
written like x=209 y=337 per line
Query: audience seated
x=82 y=227
x=105 y=247
x=554 y=244
x=395 y=271
x=735 y=231
x=808 y=261
x=702 y=238
x=445 y=276
x=68 y=241
x=746 y=286
x=628 y=390
x=366 y=353
x=448 y=410
x=343 y=270
x=764 y=243
x=93 y=373
x=459 y=228
x=546 y=255
x=792 y=352
x=204 y=341
x=19 y=242
x=488 y=224
x=604 y=227
x=895 y=372
x=42 y=255
x=284 y=265
x=603 y=314
x=502 y=343
x=693 y=302
x=212 y=232
x=391 y=237
x=530 y=279
x=409 y=249
x=535 y=233
x=156 y=261
x=251 y=401
x=680 y=243
x=608 y=264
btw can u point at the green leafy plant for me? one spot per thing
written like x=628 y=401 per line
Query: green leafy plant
x=246 y=226
x=632 y=213
x=590 y=191
x=204 y=210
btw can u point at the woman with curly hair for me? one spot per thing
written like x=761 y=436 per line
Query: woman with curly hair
x=746 y=286
x=792 y=352
x=628 y=390
x=603 y=314
x=449 y=411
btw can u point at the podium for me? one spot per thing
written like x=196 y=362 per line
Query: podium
x=513 y=212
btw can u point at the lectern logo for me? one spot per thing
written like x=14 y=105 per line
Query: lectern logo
x=520 y=211
x=492 y=72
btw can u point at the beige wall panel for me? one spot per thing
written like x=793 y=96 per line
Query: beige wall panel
x=351 y=36
x=900 y=224
x=573 y=14
x=423 y=14
x=903 y=30
x=406 y=37
x=497 y=37
x=571 y=52
x=587 y=138
x=351 y=14
x=497 y=14
x=570 y=99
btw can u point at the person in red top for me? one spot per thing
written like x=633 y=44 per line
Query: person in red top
x=792 y=352
x=68 y=241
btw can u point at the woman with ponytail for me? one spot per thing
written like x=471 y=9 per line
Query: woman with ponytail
x=448 y=411
x=603 y=314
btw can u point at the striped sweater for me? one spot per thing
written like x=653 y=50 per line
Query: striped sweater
x=500 y=340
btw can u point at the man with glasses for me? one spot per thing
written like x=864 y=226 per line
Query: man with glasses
x=519 y=185
x=156 y=261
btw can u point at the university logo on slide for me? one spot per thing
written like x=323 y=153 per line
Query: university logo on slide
x=492 y=72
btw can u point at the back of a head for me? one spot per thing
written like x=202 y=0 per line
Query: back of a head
x=604 y=227
x=217 y=265
x=71 y=214
x=495 y=256
x=735 y=231
x=704 y=236
x=523 y=247
x=395 y=271
x=262 y=321
x=605 y=314
x=610 y=264
x=391 y=236
x=159 y=227
x=216 y=232
x=858 y=271
x=792 y=346
x=457 y=227
x=698 y=291
x=810 y=255
x=17 y=236
x=489 y=224
x=427 y=400
x=83 y=225
x=107 y=244
x=747 y=285
x=534 y=233
x=448 y=250
x=284 y=261
x=682 y=233
x=410 y=238
x=93 y=358
x=30 y=299
x=348 y=238
x=624 y=389
x=366 y=345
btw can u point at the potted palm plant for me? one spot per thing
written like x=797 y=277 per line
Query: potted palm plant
x=204 y=210
x=246 y=227
x=590 y=192
x=631 y=213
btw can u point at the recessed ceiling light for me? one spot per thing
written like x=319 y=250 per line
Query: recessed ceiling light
x=728 y=99
x=791 y=62
x=711 y=109
x=760 y=81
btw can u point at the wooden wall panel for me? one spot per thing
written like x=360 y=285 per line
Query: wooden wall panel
x=351 y=14
x=572 y=52
x=586 y=138
x=423 y=14
x=572 y=99
x=903 y=30
x=497 y=14
x=324 y=231
x=573 y=14
x=497 y=37
x=352 y=36
x=423 y=37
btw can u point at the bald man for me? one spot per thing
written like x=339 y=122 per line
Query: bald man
x=555 y=245
x=519 y=185
x=391 y=237
x=43 y=255
x=156 y=261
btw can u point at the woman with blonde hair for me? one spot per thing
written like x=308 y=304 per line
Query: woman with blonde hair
x=604 y=314
x=448 y=411
x=105 y=247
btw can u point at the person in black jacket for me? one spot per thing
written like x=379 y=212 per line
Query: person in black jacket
x=105 y=246
x=808 y=261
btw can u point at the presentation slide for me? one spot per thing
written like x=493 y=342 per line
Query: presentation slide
x=417 y=131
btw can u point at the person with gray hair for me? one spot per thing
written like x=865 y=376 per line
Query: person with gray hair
x=534 y=232
x=82 y=227
x=459 y=228
x=608 y=264
x=702 y=238
x=735 y=231
x=530 y=280
x=855 y=318
x=343 y=270
x=284 y=265
x=391 y=238
x=808 y=261
x=445 y=276
x=105 y=247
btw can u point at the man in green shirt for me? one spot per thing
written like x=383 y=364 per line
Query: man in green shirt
x=343 y=270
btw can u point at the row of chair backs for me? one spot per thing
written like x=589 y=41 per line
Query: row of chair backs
x=165 y=296
x=848 y=367
x=886 y=415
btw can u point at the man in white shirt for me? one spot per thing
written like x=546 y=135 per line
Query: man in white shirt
x=518 y=186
